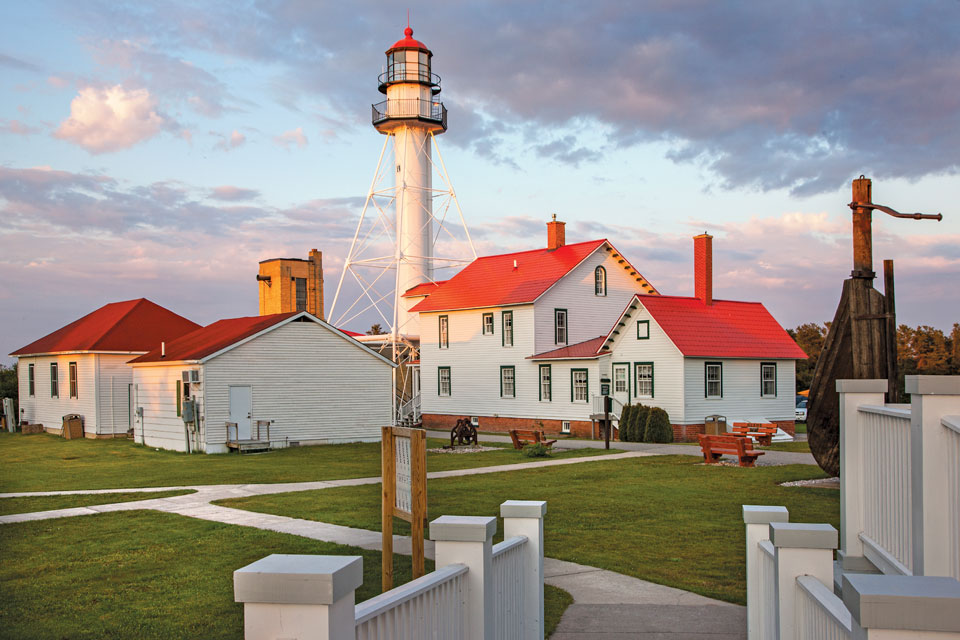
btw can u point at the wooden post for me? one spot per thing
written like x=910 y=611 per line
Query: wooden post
x=893 y=392
x=388 y=475
x=862 y=232
x=418 y=477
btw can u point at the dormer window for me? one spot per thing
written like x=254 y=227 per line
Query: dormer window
x=600 y=281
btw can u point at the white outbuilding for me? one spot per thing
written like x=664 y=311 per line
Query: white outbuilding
x=286 y=379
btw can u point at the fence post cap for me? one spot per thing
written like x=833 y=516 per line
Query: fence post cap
x=803 y=535
x=523 y=509
x=760 y=514
x=283 y=578
x=933 y=385
x=463 y=528
x=917 y=603
x=861 y=386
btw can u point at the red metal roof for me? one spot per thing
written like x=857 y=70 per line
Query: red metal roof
x=210 y=339
x=422 y=289
x=586 y=349
x=725 y=329
x=352 y=334
x=493 y=281
x=408 y=42
x=132 y=325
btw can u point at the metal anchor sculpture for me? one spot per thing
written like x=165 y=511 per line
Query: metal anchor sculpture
x=464 y=433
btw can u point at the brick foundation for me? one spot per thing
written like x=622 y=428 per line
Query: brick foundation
x=687 y=432
x=445 y=422
x=790 y=426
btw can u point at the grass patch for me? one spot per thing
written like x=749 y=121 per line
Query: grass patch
x=666 y=519
x=145 y=574
x=792 y=447
x=47 y=503
x=800 y=427
x=555 y=602
x=46 y=462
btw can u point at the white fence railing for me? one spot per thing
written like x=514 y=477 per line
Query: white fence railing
x=616 y=407
x=886 y=481
x=479 y=591
x=900 y=514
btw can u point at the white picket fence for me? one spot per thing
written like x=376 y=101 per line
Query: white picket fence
x=899 y=558
x=479 y=591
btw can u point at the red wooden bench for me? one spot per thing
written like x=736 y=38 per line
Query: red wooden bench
x=523 y=437
x=715 y=446
x=762 y=432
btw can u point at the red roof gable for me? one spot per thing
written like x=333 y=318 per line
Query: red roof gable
x=422 y=289
x=493 y=281
x=210 y=339
x=725 y=329
x=581 y=350
x=352 y=334
x=132 y=325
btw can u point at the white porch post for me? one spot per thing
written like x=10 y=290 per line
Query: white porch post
x=525 y=518
x=897 y=607
x=299 y=596
x=853 y=393
x=757 y=520
x=931 y=398
x=800 y=550
x=469 y=540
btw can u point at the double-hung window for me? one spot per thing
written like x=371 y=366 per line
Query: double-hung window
x=443 y=381
x=560 y=326
x=444 y=329
x=600 y=281
x=507 y=328
x=643 y=329
x=546 y=383
x=579 y=387
x=768 y=379
x=713 y=380
x=643 y=375
x=620 y=383
x=508 y=382
x=488 y=324
x=30 y=380
x=72 y=372
x=54 y=383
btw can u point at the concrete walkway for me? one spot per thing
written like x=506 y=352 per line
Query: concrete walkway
x=607 y=605
x=768 y=458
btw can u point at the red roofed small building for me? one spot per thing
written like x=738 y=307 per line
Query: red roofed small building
x=532 y=338
x=81 y=368
x=311 y=382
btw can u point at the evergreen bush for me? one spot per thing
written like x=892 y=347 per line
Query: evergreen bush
x=640 y=420
x=536 y=450
x=626 y=434
x=658 y=427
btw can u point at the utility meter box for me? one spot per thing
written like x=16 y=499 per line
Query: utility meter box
x=189 y=411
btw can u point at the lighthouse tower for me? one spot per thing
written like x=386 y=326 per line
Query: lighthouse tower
x=406 y=218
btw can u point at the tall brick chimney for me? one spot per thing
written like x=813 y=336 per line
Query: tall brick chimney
x=315 y=284
x=556 y=236
x=703 y=267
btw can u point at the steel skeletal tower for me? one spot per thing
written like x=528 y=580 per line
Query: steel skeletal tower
x=402 y=238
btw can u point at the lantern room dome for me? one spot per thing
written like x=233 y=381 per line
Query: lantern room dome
x=408 y=42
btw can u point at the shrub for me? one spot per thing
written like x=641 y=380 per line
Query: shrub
x=640 y=422
x=535 y=450
x=626 y=435
x=658 y=427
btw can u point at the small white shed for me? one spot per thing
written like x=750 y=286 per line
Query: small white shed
x=311 y=382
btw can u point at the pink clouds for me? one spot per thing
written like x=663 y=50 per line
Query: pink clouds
x=294 y=136
x=235 y=140
x=110 y=119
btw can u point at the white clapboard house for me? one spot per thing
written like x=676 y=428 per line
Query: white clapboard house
x=285 y=379
x=531 y=338
x=82 y=369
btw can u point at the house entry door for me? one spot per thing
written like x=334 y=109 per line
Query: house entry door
x=621 y=382
x=241 y=410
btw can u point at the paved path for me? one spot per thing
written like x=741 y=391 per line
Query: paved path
x=607 y=605
x=769 y=457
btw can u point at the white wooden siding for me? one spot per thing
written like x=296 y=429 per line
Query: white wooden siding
x=156 y=393
x=668 y=378
x=741 y=391
x=314 y=385
x=49 y=411
x=475 y=360
x=588 y=315
x=114 y=378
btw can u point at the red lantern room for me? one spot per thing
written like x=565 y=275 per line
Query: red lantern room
x=408 y=60
x=410 y=87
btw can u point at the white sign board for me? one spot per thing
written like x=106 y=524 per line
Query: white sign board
x=404 y=494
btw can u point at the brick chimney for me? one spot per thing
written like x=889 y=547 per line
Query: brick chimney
x=555 y=234
x=703 y=267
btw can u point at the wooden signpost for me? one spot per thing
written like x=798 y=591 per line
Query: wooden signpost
x=404 y=476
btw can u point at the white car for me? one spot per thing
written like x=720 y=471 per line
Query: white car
x=801 y=415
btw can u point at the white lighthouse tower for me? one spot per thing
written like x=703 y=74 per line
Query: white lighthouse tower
x=403 y=238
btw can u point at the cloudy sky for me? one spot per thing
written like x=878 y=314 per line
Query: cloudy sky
x=161 y=149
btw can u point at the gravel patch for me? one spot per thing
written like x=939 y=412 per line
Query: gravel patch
x=464 y=449
x=822 y=483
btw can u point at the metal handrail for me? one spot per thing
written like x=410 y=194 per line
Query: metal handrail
x=408 y=76
x=410 y=108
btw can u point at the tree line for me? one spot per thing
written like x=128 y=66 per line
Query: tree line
x=920 y=350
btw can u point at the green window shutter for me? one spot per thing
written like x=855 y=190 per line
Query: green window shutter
x=178 y=398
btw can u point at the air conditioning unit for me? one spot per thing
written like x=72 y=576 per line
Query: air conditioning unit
x=191 y=376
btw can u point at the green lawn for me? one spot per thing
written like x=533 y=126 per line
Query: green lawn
x=45 y=462
x=801 y=427
x=667 y=519
x=48 y=503
x=795 y=447
x=145 y=574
